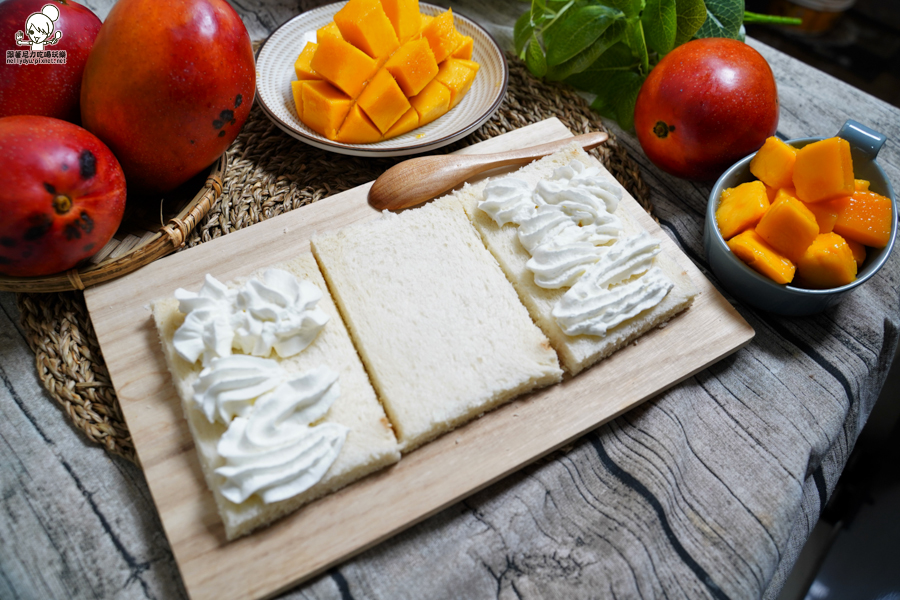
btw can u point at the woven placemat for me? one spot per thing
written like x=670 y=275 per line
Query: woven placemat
x=270 y=173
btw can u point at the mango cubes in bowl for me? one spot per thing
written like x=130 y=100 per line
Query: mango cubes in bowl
x=805 y=221
x=380 y=70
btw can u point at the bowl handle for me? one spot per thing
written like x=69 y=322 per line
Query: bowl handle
x=865 y=142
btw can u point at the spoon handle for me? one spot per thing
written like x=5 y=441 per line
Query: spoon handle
x=418 y=180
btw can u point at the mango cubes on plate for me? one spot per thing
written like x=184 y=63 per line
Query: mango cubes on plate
x=380 y=70
x=806 y=220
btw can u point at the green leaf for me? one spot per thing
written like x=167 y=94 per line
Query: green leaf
x=634 y=37
x=691 y=14
x=630 y=8
x=584 y=59
x=522 y=32
x=534 y=58
x=576 y=31
x=595 y=78
x=659 y=22
x=617 y=101
x=724 y=18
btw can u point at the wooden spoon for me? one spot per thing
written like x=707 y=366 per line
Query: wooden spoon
x=420 y=179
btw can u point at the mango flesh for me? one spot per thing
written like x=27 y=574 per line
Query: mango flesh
x=365 y=25
x=866 y=217
x=383 y=101
x=844 y=210
x=828 y=262
x=457 y=75
x=741 y=208
x=324 y=107
x=344 y=65
x=826 y=213
x=390 y=69
x=774 y=163
x=823 y=170
x=761 y=257
x=431 y=102
x=302 y=66
x=788 y=226
x=413 y=66
x=404 y=16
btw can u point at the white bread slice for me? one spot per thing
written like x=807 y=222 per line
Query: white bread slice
x=576 y=353
x=441 y=331
x=370 y=444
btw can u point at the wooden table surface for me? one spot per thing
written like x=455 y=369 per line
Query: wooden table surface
x=708 y=490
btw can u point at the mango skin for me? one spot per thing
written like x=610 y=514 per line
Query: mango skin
x=168 y=86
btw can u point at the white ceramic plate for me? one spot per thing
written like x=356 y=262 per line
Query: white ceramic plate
x=275 y=71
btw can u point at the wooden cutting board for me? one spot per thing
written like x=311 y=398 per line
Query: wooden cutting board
x=433 y=477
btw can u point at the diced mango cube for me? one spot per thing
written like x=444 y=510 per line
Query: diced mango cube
x=365 y=25
x=324 y=107
x=297 y=93
x=413 y=66
x=432 y=102
x=457 y=74
x=328 y=31
x=826 y=213
x=827 y=263
x=404 y=16
x=442 y=35
x=465 y=48
x=860 y=185
x=824 y=170
x=859 y=252
x=774 y=163
x=788 y=226
x=344 y=65
x=424 y=21
x=383 y=101
x=358 y=128
x=405 y=124
x=866 y=217
x=302 y=65
x=762 y=258
x=741 y=208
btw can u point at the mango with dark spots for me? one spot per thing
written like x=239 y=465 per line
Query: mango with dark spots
x=168 y=86
x=54 y=217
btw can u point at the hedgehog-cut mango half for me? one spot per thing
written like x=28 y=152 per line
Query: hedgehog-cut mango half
x=380 y=70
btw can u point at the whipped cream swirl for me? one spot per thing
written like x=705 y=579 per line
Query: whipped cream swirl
x=207 y=332
x=563 y=222
x=621 y=285
x=276 y=314
x=273 y=450
x=567 y=224
x=507 y=200
x=228 y=387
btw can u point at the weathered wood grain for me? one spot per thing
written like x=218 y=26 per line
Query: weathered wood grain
x=75 y=521
x=707 y=490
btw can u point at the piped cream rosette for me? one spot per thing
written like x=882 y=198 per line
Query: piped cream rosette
x=568 y=226
x=270 y=447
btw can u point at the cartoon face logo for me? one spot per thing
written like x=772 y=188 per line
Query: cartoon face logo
x=39 y=28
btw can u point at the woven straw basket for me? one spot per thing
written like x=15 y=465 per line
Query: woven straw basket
x=142 y=237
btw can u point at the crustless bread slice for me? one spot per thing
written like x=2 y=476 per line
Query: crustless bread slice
x=575 y=352
x=370 y=444
x=441 y=331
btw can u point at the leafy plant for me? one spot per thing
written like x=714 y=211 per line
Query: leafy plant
x=607 y=47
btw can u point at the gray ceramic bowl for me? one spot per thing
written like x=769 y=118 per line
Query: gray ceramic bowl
x=761 y=292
